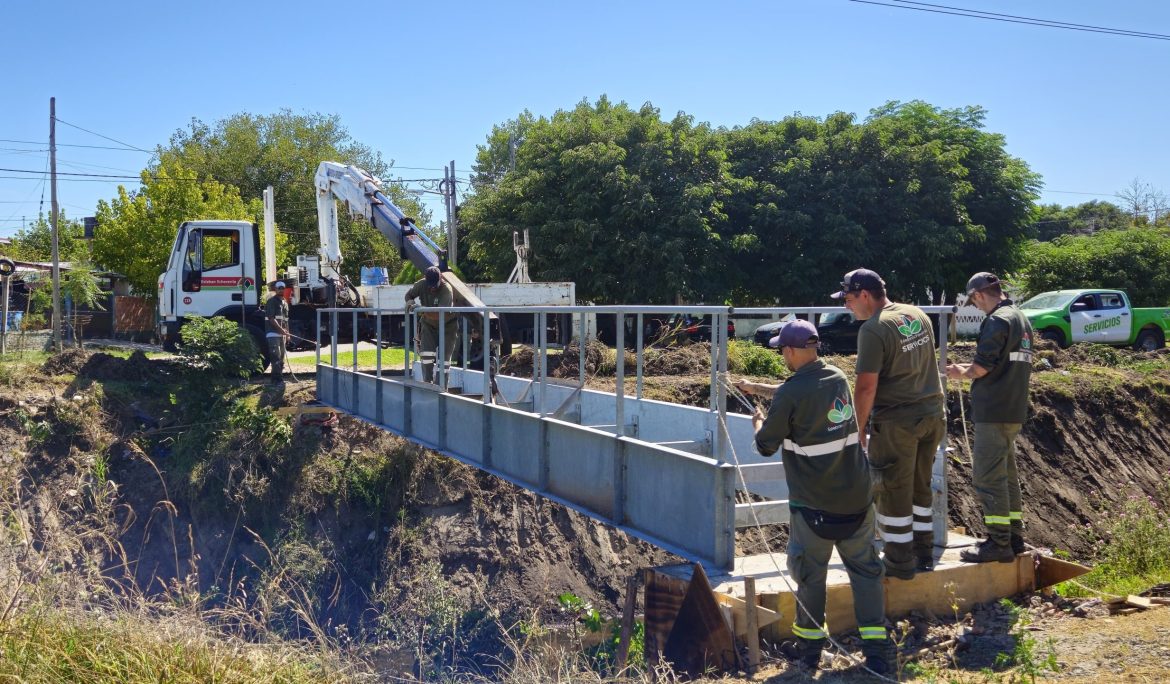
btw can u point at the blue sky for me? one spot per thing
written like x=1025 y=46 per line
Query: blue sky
x=424 y=82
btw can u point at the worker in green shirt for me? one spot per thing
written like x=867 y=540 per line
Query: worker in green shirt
x=811 y=420
x=432 y=290
x=276 y=330
x=900 y=400
x=999 y=401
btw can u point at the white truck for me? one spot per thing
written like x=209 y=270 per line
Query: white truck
x=215 y=270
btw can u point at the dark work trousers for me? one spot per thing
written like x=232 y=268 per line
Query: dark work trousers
x=901 y=455
x=996 y=481
x=429 y=342
x=276 y=355
x=808 y=563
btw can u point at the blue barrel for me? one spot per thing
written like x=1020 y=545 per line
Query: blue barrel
x=374 y=275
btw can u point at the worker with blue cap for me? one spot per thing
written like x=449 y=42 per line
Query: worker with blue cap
x=811 y=422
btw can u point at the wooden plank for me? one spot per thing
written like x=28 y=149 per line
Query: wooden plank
x=623 y=649
x=700 y=639
x=739 y=611
x=301 y=410
x=662 y=598
x=1050 y=571
x=753 y=625
x=1160 y=600
x=1139 y=601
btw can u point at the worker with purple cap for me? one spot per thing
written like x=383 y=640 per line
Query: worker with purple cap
x=900 y=400
x=811 y=421
x=432 y=290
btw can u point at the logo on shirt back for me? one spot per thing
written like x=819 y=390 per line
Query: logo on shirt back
x=841 y=411
x=909 y=326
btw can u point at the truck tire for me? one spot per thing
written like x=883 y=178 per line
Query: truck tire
x=1054 y=335
x=1149 y=339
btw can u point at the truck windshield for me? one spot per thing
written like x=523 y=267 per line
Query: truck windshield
x=1049 y=300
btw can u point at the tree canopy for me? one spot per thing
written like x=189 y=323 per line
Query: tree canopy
x=1050 y=221
x=137 y=229
x=35 y=242
x=251 y=152
x=635 y=208
x=1136 y=260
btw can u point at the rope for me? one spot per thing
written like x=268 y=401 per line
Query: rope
x=764 y=537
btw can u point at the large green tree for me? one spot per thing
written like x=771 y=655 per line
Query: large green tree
x=616 y=199
x=1136 y=260
x=251 y=152
x=136 y=230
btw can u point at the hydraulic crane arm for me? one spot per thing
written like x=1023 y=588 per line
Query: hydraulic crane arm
x=362 y=193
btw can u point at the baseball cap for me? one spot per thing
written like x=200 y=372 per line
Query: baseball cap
x=797 y=334
x=279 y=285
x=980 y=281
x=858 y=280
x=432 y=276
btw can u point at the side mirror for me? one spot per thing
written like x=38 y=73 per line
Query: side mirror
x=1078 y=306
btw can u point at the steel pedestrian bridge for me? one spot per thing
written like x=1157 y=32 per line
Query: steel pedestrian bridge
x=683 y=478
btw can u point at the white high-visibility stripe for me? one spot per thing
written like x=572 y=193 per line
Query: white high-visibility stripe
x=900 y=538
x=923 y=511
x=1026 y=357
x=923 y=526
x=890 y=521
x=821 y=449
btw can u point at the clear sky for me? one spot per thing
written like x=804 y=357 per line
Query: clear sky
x=424 y=82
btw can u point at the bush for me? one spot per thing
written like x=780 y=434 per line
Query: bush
x=1133 y=542
x=747 y=358
x=220 y=346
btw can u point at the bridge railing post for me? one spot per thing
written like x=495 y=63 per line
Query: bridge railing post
x=620 y=388
x=638 y=354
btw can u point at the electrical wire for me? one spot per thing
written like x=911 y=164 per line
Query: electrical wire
x=90 y=147
x=1007 y=18
x=106 y=137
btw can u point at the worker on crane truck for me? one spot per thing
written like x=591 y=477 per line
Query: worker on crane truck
x=433 y=290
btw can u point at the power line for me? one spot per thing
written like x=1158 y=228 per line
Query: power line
x=128 y=145
x=90 y=147
x=1007 y=18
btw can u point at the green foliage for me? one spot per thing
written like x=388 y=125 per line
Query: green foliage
x=219 y=345
x=273 y=432
x=611 y=195
x=747 y=358
x=1132 y=537
x=633 y=208
x=603 y=656
x=423 y=613
x=35 y=243
x=252 y=151
x=1026 y=655
x=1050 y=221
x=38 y=431
x=409 y=274
x=1136 y=260
x=137 y=229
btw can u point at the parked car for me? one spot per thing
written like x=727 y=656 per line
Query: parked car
x=838 y=332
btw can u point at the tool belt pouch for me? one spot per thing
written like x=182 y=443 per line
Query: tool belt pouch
x=832 y=525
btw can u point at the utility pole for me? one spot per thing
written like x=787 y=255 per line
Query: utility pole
x=56 y=255
x=449 y=203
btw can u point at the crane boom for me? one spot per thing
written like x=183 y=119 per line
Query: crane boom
x=362 y=194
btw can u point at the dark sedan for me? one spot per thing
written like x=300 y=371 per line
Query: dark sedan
x=838 y=333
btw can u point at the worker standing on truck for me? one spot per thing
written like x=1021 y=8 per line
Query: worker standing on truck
x=999 y=401
x=830 y=494
x=432 y=290
x=276 y=330
x=899 y=397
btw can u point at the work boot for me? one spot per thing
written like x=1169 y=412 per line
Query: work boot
x=1018 y=545
x=988 y=551
x=807 y=652
x=880 y=656
x=924 y=564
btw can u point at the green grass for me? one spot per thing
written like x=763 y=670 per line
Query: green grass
x=53 y=645
x=393 y=357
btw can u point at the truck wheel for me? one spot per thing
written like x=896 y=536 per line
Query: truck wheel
x=1054 y=335
x=1149 y=340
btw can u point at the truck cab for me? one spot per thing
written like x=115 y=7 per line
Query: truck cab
x=1096 y=316
x=212 y=271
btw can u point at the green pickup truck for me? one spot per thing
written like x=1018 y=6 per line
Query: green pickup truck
x=1101 y=316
